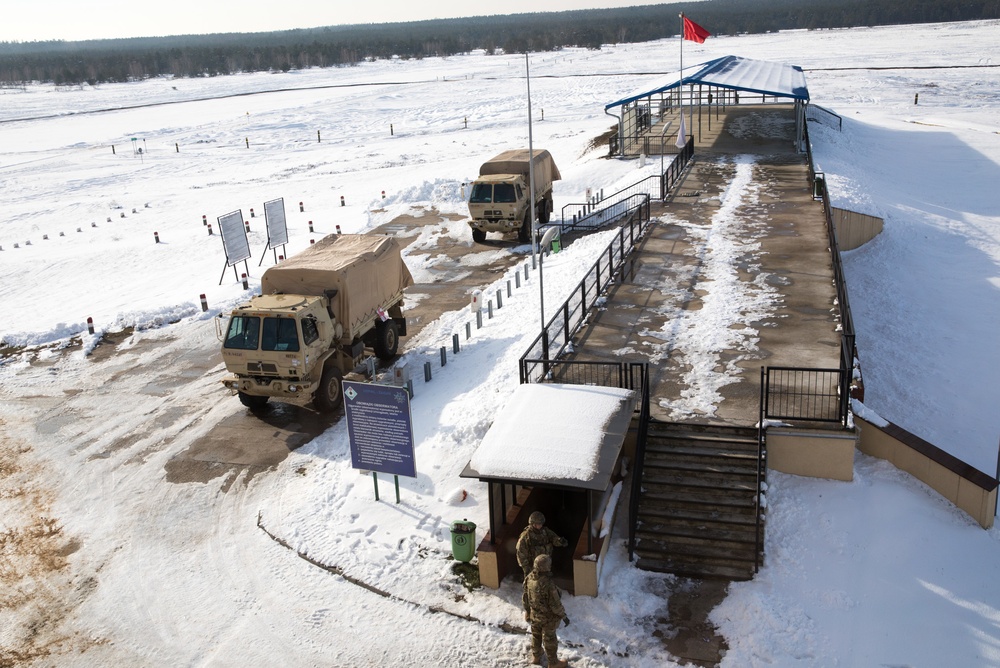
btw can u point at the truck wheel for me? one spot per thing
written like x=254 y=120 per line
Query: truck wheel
x=330 y=393
x=252 y=401
x=479 y=236
x=386 y=339
x=524 y=234
x=546 y=213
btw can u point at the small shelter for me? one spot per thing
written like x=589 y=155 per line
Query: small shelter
x=558 y=449
x=716 y=82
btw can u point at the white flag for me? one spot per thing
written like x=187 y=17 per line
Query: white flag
x=681 y=134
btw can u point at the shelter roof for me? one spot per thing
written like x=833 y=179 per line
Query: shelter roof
x=556 y=435
x=736 y=73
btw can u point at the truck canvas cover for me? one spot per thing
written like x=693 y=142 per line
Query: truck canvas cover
x=367 y=271
x=515 y=161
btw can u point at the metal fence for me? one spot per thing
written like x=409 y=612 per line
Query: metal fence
x=572 y=315
x=601 y=211
x=816 y=395
x=795 y=393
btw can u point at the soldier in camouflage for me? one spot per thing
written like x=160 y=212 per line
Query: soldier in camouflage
x=536 y=539
x=543 y=610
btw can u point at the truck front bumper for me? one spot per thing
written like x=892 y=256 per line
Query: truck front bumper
x=280 y=388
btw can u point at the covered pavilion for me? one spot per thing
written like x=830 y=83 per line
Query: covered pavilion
x=647 y=118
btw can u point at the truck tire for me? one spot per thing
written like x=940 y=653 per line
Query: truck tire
x=330 y=393
x=253 y=402
x=524 y=234
x=479 y=236
x=546 y=213
x=386 y=339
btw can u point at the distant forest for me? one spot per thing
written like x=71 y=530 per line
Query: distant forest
x=116 y=60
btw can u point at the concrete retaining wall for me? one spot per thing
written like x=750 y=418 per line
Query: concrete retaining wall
x=968 y=488
x=812 y=453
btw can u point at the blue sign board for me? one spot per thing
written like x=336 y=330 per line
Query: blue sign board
x=380 y=428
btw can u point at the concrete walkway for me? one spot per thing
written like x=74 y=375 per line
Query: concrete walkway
x=735 y=274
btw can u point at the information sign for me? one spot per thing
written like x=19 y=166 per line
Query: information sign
x=234 y=237
x=380 y=428
x=274 y=217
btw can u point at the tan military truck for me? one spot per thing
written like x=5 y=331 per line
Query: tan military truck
x=500 y=197
x=317 y=313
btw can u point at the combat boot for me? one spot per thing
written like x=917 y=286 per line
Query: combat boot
x=561 y=663
x=536 y=660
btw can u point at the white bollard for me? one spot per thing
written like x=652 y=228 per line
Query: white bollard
x=476 y=302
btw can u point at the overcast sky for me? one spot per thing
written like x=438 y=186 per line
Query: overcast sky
x=30 y=20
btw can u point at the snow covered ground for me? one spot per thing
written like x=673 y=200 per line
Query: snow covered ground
x=107 y=559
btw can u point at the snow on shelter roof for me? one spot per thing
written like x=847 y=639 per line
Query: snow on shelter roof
x=562 y=435
x=738 y=73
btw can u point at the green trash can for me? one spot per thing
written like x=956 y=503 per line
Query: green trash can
x=556 y=244
x=463 y=540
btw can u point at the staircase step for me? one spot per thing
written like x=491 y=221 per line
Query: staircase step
x=696 y=569
x=690 y=449
x=685 y=431
x=726 y=536
x=657 y=492
x=665 y=476
x=735 y=467
x=694 y=551
x=698 y=512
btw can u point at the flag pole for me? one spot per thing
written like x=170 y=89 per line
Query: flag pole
x=681 y=139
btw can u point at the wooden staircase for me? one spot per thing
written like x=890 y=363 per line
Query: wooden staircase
x=697 y=511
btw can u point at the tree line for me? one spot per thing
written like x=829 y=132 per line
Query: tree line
x=118 y=60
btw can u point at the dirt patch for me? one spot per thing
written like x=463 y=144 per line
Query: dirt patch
x=688 y=634
x=36 y=578
x=602 y=141
x=108 y=344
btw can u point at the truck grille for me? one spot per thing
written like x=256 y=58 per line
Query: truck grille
x=260 y=367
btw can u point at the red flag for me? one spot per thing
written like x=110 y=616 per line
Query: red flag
x=694 y=32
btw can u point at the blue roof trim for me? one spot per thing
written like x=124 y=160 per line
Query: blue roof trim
x=737 y=73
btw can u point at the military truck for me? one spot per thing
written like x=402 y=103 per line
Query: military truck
x=500 y=197
x=317 y=313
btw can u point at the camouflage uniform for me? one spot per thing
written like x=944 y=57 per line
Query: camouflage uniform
x=534 y=542
x=544 y=610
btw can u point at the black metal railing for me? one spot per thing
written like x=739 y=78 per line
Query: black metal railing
x=608 y=211
x=602 y=211
x=816 y=395
x=761 y=476
x=635 y=492
x=826 y=116
x=672 y=174
x=567 y=319
x=802 y=394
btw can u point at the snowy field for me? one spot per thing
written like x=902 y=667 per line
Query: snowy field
x=108 y=560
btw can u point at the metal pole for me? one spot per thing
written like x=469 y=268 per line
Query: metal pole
x=531 y=168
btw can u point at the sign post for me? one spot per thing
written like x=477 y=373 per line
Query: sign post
x=380 y=430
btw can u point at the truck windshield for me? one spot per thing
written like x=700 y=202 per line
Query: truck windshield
x=279 y=334
x=504 y=193
x=482 y=193
x=243 y=333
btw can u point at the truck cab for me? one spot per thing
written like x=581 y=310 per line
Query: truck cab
x=276 y=346
x=501 y=197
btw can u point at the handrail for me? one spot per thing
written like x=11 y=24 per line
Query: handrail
x=640 y=457
x=761 y=473
x=570 y=317
x=847 y=337
x=656 y=186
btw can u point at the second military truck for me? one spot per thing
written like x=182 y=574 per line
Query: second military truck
x=316 y=314
x=500 y=200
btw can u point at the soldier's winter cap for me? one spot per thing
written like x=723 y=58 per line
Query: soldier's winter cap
x=543 y=563
x=536 y=518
